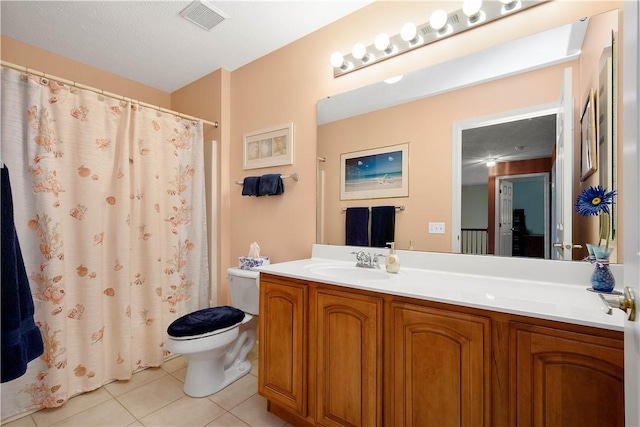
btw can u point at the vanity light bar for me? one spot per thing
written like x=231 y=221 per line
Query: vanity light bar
x=456 y=22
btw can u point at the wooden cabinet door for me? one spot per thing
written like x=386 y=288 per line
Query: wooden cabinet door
x=563 y=378
x=282 y=375
x=348 y=354
x=440 y=367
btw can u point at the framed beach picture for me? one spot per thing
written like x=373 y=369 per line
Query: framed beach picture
x=268 y=147
x=376 y=173
x=589 y=155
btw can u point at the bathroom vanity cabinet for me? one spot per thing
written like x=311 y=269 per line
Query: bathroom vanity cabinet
x=439 y=363
x=283 y=345
x=338 y=356
x=320 y=352
x=563 y=378
x=346 y=334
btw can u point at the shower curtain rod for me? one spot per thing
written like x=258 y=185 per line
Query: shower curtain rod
x=102 y=92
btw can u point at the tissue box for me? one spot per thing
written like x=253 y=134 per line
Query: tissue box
x=249 y=262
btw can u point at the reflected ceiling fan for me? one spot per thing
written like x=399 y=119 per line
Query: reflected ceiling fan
x=489 y=160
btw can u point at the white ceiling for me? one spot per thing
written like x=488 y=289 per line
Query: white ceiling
x=149 y=42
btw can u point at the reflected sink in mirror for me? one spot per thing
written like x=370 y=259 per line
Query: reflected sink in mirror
x=346 y=272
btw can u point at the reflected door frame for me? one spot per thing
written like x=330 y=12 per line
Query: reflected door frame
x=456 y=156
x=545 y=183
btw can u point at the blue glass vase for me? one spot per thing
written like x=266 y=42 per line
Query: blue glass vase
x=602 y=279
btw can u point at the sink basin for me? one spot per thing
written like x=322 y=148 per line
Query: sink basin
x=348 y=272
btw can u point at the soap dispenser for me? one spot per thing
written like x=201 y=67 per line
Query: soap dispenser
x=392 y=261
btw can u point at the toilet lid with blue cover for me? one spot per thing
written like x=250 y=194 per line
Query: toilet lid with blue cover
x=205 y=321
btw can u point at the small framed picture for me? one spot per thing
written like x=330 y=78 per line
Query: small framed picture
x=376 y=173
x=268 y=147
x=588 y=139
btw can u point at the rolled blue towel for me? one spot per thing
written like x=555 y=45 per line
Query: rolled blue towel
x=250 y=186
x=270 y=185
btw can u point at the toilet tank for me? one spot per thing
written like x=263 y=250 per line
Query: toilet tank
x=244 y=288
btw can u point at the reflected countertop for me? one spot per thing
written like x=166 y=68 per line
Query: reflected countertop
x=552 y=290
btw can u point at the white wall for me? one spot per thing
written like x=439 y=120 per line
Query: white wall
x=475 y=212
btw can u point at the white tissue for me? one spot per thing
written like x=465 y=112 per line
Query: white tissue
x=254 y=250
x=253 y=259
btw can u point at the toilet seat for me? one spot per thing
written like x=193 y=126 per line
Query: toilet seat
x=205 y=335
x=203 y=322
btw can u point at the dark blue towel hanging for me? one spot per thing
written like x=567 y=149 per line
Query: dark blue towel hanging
x=357 y=227
x=270 y=185
x=250 y=186
x=383 y=225
x=21 y=338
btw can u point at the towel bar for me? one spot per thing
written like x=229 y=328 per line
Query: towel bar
x=398 y=208
x=293 y=176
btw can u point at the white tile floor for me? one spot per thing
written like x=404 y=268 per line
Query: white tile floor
x=154 y=397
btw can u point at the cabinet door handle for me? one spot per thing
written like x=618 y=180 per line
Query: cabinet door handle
x=626 y=303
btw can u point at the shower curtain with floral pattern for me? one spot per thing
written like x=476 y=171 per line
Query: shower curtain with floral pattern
x=109 y=207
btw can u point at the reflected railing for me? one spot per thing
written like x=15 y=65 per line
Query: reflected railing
x=474 y=241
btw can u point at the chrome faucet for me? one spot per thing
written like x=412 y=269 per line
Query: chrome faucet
x=366 y=260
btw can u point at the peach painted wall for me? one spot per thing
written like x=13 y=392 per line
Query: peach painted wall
x=285 y=85
x=427 y=126
x=50 y=63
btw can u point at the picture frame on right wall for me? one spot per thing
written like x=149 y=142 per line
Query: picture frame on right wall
x=607 y=124
x=588 y=139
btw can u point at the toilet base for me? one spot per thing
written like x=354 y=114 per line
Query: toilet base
x=202 y=381
x=210 y=371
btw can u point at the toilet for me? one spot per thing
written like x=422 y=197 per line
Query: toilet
x=217 y=340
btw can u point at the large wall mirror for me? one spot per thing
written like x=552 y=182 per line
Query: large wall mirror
x=518 y=105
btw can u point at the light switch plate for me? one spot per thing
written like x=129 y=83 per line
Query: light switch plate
x=436 y=227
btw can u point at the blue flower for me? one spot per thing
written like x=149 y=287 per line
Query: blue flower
x=594 y=201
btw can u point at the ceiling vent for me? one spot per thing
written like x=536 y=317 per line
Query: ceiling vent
x=203 y=14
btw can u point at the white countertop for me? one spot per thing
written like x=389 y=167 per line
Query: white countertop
x=545 y=289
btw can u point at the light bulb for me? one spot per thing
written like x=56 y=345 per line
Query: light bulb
x=491 y=163
x=471 y=8
x=438 y=19
x=337 y=60
x=382 y=41
x=359 y=51
x=408 y=31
